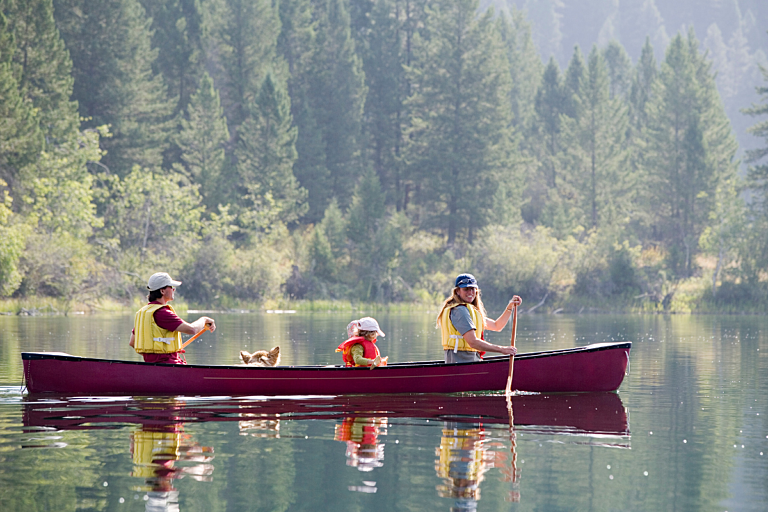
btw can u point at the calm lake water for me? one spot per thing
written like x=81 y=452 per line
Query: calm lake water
x=687 y=430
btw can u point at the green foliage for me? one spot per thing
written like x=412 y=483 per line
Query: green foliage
x=12 y=242
x=619 y=68
x=59 y=264
x=530 y=263
x=61 y=187
x=758 y=174
x=524 y=65
x=152 y=216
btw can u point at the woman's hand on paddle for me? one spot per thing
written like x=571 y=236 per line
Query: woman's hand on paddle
x=515 y=301
x=508 y=351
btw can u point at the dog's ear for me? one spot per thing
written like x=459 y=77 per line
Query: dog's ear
x=245 y=356
x=274 y=356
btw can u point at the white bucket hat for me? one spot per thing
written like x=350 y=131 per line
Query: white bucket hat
x=369 y=324
x=161 y=280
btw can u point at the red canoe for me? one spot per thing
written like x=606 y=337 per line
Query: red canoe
x=599 y=367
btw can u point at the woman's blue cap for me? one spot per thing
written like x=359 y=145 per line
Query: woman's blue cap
x=466 y=281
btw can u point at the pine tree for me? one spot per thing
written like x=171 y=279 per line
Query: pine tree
x=758 y=173
x=386 y=49
x=296 y=44
x=690 y=148
x=573 y=80
x=754 y=252
x=110 y=45
x=619 y=69
x=202 y=136
x=642 y=85
x=551 y=102
x=336 y=93
x=596 y=154
x=247 y=39
x=369 y=227
x=265 y=153
x=461 y=142
x=21 y=139
x=42 y=66
x=524 y=64
x=178 y=33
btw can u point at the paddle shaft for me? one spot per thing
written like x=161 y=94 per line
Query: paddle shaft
x=193 y=338
x=512 y=358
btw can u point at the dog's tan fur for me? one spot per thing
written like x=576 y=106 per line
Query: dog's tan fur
x=261 y=357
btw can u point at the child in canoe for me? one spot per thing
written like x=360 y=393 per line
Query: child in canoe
x=360 y=349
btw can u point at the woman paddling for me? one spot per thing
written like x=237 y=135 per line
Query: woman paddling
x=462 y=322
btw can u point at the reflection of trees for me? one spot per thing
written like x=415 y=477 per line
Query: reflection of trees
x=45 y=475
x=463 y=457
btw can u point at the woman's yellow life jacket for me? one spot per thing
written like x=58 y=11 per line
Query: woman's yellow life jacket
x=151 y=338
x=452 y=338
x=461 y=455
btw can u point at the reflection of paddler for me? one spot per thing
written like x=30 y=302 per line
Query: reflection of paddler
x=462 y=460
x=154 y=452
x=361 y=435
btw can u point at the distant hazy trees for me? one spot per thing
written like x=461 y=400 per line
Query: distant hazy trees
x=360 y=150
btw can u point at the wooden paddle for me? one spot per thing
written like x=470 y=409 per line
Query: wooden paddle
x=193 y=338
x=508 y=391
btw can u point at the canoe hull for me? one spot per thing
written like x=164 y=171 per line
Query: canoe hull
x=593 y=368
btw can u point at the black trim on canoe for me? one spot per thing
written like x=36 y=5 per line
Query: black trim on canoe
x=597 y=347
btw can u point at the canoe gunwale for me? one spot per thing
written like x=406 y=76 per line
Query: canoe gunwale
x=32 y=356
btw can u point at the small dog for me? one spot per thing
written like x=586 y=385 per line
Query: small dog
x=261 y=357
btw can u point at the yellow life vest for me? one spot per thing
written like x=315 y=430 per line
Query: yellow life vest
x=150 y=338
x=452 y=338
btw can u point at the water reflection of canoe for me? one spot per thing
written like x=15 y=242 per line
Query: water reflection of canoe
x=582 y=413
x=598 y=367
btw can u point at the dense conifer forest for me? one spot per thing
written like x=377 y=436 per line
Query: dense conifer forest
x=596 y=156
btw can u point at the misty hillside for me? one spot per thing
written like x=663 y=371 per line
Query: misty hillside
x=732 y=31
